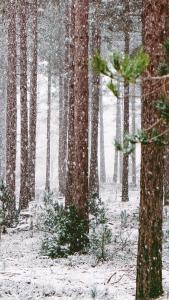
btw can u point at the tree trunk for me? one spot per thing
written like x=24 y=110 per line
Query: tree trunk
x=133 y=131
x=149 y=259
x=11 y=110
x=71 y=138
x=95 y=95
x=2 y=127
x=24 y=185
x=102 y=144
x=33 y=103
x=47 y=185
x=118 y=138
x=81 y=106
x=125 y=196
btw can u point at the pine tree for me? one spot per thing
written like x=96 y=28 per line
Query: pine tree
x=133 y=131
x=33 y=101
x=102 y=144
x=149 y=259
x=11 y=110
x=24 y=167
x=81 y=106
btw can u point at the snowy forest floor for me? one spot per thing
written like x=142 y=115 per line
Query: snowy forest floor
x=27 y=275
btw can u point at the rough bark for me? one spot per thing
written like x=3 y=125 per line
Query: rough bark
x=11 y=110
x=2 y=127
x=149 y=259
x=95 y=95
x=81 y=106
x=71 y=138
x=33 y=103
x=24 y=167
x=47 y=185
x=125 y=196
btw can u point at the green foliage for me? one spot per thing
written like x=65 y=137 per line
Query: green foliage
x=163 y=108
x=68 y=229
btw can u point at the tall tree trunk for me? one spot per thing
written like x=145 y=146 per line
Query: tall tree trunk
x=95 y=95
x=47 y=185
x=81 y=106
x=133 y=131
x=71 y=138
x=63 y=94
x=102 y=144
x=11 y=110
x=125 y=196
x=118 y=138
x=33 y=103
x=166 y=171
x=2 y=127
x=24 y=185
x=149 y=259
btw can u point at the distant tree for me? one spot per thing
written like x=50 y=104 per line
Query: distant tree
x=102 y=144
x=24 y=167
x=11 y=110
x=95 y=95
x=81 y=107
x=47 y=185
x=133 y=131
x=33 y=99
x=149 y=258
x=125 y=170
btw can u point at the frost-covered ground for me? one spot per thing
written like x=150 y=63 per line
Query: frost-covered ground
x=26 y=274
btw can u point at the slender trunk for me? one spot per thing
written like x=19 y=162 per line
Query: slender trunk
x=81 y=106
x=71 y=137
x=47 y=185
x=125 y=196
x=96 y=45
x=102 y=144
x=118 y=138
x=33 y=103
x=133 y=131
x=2 y=127
x=24 y=185
x=149 y=258
x=11 y=110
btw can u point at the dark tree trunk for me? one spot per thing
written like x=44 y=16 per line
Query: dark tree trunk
x=11 y=110
x=102 y=144
x=33 y=103
x=149 y=259
x=71 y=138
x=24 y=182
x=2 y=127
x=95 y=95
x=125 y=196
x=47 y=185
x=81 y=106
x=133 y=131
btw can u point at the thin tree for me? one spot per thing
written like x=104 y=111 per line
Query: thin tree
x=11 y=109
x=133 y=131
x=102 y=144
x=71 y=138
x=95 y=95
x=47 y=185
x=24 y=173
x=149 y=259
x=81 y=107
x=33 y=101
x=125 y=196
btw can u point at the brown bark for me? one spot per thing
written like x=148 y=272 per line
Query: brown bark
x=71 y=138
x=95 y=95
x=149 y=260
x=81 y=106
x=133 y=131
x=11 y=110
x=33 y=103
x=125 y=196
x=24 y=167
x=47 y=185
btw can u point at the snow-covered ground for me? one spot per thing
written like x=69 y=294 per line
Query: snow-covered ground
x=27 y=275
